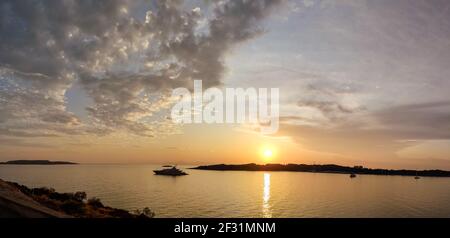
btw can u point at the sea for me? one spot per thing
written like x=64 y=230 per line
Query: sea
x=243 y=194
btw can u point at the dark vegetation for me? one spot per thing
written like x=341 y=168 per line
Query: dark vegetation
x=77 y=204
x=329 y=168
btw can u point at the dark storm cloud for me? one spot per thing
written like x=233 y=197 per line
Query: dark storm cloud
x=119 y=60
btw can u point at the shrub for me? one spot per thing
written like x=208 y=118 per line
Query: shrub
x=72 y=207
x=95 y=202
x=146 y=212
x=80 y=196
x=42 y=191
x=75 y=204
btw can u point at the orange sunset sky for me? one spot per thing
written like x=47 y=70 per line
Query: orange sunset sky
x=361 y=82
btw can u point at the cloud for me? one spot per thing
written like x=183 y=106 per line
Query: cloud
x=382 y=76
x=125 y=62
x=14 y=133
x=377 y=135
x=326 y=107
x=419 y=121
x=334 y=100
x=27 y=109
x=22 y=143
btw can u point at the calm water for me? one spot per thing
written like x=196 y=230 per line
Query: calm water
x=244 y=194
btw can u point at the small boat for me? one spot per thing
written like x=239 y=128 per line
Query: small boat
x=352 y=175
x=417 y=176
x=173 y=171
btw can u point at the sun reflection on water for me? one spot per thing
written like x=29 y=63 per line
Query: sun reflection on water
x=266 y=209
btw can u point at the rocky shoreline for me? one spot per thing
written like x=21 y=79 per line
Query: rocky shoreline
x=19 y=201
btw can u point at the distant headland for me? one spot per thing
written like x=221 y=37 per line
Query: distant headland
x=328 y=168
x=36 y=162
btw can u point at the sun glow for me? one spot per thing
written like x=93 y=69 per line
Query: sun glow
x=267 y=153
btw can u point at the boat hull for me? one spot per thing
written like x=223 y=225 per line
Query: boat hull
x=165 y=173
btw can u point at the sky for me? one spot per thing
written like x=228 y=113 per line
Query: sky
x=361 y=82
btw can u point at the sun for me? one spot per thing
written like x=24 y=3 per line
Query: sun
x=267 y=153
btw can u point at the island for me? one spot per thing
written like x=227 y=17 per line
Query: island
x=36 y=162
x=327 y=168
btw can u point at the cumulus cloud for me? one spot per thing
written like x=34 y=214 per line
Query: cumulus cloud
x=125 y=62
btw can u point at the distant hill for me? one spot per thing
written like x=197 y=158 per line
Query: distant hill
x=36 y=162
x=329 y=168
